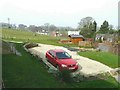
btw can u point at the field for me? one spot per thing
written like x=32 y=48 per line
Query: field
x=27 y=71
x=26 y=36
x=103 y=57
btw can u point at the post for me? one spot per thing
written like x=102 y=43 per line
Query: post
x=9 y=23
x=118 y=15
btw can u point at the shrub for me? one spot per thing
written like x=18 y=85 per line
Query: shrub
x=65 y=75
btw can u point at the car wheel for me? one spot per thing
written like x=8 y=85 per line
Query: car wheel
x=47 y=59
x=57 y=68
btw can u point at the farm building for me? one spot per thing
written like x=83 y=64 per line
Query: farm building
x=76 y=38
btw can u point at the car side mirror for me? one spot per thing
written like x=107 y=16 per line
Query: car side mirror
x=54 y=57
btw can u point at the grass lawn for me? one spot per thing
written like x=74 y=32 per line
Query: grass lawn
x=103 y=57
x=26 y=36
x=27 y=71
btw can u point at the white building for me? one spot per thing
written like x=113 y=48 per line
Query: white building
x=43 y=32
x=73 y=32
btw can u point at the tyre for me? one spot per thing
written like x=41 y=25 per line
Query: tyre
x=57 y=68
x=46 y=58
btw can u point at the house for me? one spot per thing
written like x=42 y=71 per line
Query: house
x=55 y=33
x=100 y=37
x=106 y=37
x=107 y=43
x=43 y=32
x=76 y=38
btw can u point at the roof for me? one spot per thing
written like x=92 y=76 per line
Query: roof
x=73 y=32
x=57 y=50
x=76 y=36
x=105 y=35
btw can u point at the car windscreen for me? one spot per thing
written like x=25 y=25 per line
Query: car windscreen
x=62 y=55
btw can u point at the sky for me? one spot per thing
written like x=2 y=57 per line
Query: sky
x=58 y=12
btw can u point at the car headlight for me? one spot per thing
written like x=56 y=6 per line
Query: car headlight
x=63 y=65
x=77 y=63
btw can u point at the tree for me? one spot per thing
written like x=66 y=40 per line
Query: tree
x=119 y=32
x=5 y=25
x=46 y=26
x=87 y=27
x=85 y=22
x=94 y=26
x=104 y=27
x=52 y=28
x=111 y=30
x=22 y=26
x=33 y=28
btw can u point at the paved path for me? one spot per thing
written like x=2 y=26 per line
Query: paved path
x=89 y=67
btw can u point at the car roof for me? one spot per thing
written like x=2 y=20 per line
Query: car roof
x=57 y=50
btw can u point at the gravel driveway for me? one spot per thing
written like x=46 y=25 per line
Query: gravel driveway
x=89 y=67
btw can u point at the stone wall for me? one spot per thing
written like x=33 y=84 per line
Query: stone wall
x=109 y=48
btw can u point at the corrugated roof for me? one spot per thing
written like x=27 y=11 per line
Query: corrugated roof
x=75 y=36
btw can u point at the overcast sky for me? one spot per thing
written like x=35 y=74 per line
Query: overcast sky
x=58 y=12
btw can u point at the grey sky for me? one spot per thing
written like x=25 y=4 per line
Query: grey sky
x=58 y=12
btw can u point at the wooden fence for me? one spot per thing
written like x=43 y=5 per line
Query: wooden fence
x=85 y=43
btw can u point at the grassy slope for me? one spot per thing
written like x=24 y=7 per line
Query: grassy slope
x=20 y=35
x=106 y=58
x=27 y=71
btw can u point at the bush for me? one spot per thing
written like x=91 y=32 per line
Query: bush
x=65 y=75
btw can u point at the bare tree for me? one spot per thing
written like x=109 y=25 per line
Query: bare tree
x=85 y=22
x=22 y=26
x=87 y=27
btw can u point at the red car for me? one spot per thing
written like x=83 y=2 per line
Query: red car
x=61 y=59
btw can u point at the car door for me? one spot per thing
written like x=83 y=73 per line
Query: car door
x=51 y=56
x=54 y=60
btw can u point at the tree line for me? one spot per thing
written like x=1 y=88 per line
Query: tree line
x=87 y=27
x=47 y=27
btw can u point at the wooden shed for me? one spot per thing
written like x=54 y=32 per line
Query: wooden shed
x=76 y=38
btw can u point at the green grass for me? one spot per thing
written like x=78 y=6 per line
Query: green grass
x=103 y=57
x=27 y=72
x=25 y=36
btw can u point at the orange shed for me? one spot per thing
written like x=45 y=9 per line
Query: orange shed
x=76 y=38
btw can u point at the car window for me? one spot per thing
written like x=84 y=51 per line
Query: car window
x=51 y=53
x=62 y=55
